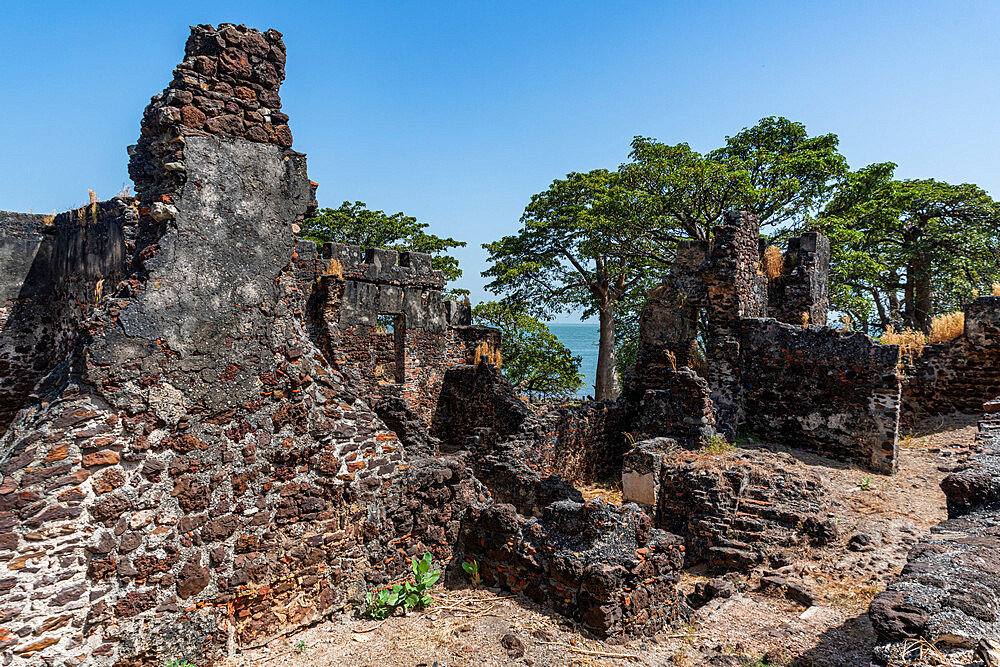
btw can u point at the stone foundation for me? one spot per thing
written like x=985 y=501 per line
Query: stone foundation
x=735 y=513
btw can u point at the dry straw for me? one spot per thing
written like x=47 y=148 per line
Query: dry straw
x=772 y=263
x=486 y=352
x=947 y=327
x=944 y=328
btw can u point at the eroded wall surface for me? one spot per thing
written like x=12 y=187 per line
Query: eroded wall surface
x=52 y=272
x=835 y=391
x=959 y=375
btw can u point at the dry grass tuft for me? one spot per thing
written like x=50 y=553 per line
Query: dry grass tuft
x=772 y=264
x=486 y=352
x=606 y=491
x=805 y=319
x=947 y=327
x=335 y=268
x=910 y=341
x=995 y=289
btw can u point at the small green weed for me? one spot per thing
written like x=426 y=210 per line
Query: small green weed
x=174 y=662
x=716 y=445
x=866 y=484
x=406 y=596
x=471 y=568
x=301 y=647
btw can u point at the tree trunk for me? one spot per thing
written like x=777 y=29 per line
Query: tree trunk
x=922 y=299
x=918 y=296
x=606 y=387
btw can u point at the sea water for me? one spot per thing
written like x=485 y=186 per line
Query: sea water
x=581 y=338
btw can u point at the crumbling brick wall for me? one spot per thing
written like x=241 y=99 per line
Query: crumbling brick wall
x=958 y=375
x=836 y=391
x=735 y=290
x=197 y=460
x=52 y=272
x=387 y=328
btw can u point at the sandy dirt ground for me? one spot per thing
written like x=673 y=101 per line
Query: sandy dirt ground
x=469 y=626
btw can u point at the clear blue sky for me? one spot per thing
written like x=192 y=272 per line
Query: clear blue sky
x=456 y=112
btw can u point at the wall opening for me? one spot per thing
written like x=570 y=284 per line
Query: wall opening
x=390 y=349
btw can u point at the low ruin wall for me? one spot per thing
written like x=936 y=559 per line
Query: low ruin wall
x=958 y=375
x=576 y=442
x=823 y=389
x=745 y=512
x=600 y=564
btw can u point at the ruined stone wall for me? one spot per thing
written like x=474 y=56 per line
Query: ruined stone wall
x=683 y=409
x=477 y=398
x=959 y=375
x=949 y=590
x=227 y=86
x=744 y=511
x=807 y=387
x=800 y=295
x=193 y=474
x=735 y=291
x=387 y=328
x=479 y=408
x=600 y=564
x=53 y=270
x=195 y=478
x=824 y=389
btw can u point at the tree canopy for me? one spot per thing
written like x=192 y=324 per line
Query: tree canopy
x=904 y=251
x=534 y=360
x=357 y=224
x=773 y=169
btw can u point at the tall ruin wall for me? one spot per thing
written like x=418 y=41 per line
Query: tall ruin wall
x=192 y=474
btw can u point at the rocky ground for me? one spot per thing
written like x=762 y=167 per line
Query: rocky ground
x=810 y=613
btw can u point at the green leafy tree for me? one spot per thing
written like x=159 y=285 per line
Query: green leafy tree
x=905 y=251
x=773 y=169
x=582 y=246
x=534 y=360
x=357 y=224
